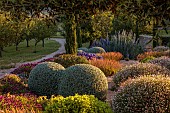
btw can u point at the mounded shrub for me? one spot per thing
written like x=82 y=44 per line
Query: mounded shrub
x=162 y=61
x=44 y=78
x=84 y=79
x=111 y=55
x=67 y=60
x=12 y=84
x=109 y=67
x=147 y=94
x=77 y=104
x=161 y=48
x=83 y=49
x=137 y=70
x=96 y=50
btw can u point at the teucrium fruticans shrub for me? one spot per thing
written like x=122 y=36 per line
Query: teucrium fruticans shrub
x=137 y=70
x=147 y=94
x=44 y=78
x=84 y=79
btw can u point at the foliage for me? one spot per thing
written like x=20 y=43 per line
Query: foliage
x=26 y=101
x=146 y=94
x=67 y=60
x=155 y=54
x=44 y=78
x=109 y=67
x=147 y=59
x=99 y=25
x=137 y=70
x=89 y=56
x=83 y=79
x=24 y=70
x=12 y=84
x=76 y=104
x=162 y=61
x=161 y=48
x=96 y=50
x=111 y=55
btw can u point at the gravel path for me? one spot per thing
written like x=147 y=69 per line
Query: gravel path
x=61 y=49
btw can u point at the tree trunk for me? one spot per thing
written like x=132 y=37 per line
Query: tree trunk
x=16 y=46
x=78 y=31
x=43 y=45
x=0 y=52
x=91 y=42
x=27 y=42
x=137 y=32
x=155 y=41
x=35 y=46
x=71 y=38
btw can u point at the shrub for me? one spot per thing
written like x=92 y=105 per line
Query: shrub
x=162 y=61
x=69 y=60
x=44 y=78
x=155 y=54
x=90 y=56
x=24 y=69
x=83 y=49
x=12 y=84
x=96 y=50
x=147 y=59
x=77 y=104
x=146 y=94
x=161 y=48
x=112 y=55
x=25 y=101
x=137 y=70
x=84 y=79
x=109 y=67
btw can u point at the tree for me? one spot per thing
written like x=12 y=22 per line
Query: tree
x=56 y=7
x=5 y=33
x=156 y=11
x=99 y=25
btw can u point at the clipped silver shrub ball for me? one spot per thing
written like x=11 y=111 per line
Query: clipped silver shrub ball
x=162 y=61
x=96 y=50
x=146 y=94
x=137 y=70
x=44 y=78
x=84 y=79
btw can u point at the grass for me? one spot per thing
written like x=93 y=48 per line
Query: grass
x=164 y=34
x=10 y=56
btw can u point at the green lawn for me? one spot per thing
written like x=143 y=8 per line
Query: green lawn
x=163 y=33
x=10 y=56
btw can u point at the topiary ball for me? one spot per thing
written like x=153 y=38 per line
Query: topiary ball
x=83 y=49
x=162 y=61
x=44 y=78
x=84 y=79
x=67 y=60
x=137 y=70
x=96 y=50
x=147 y=94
